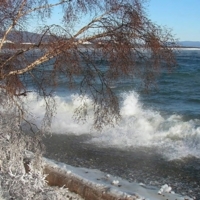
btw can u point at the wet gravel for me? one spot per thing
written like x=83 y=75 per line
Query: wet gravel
x=146 y=165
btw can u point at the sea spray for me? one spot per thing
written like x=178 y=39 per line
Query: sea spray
x=139 y=125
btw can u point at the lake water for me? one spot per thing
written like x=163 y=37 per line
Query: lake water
x=159 y=129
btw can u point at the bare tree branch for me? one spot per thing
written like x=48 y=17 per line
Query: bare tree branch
x=119 y=34
x=15 y=20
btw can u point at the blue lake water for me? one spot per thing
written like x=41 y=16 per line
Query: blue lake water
x=167 y=117
x=157 y=138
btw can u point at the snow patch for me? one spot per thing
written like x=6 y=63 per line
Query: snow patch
x=114 y=185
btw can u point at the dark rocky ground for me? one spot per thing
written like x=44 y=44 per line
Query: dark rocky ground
x=144 y=165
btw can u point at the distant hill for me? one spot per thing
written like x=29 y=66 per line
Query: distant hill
x=189 y=43
x=29 y=37
x=24 y=37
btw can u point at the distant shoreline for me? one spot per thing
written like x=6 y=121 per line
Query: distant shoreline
x=185 y=47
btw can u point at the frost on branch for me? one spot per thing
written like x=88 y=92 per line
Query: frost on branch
x=16 y=182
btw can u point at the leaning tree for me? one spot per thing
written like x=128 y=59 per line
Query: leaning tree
x=116 y=31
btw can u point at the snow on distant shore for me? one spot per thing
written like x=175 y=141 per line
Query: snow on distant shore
x=189 y=48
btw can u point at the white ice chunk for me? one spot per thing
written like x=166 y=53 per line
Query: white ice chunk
x=115 y=182
x=165 y=188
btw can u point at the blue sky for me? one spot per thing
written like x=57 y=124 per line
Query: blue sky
x=182 y=16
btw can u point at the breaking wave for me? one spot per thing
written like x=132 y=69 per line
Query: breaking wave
x=139 y=126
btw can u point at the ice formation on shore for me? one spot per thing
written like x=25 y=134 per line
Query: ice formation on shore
x=106 y=183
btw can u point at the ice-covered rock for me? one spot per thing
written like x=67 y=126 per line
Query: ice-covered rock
x=165 y=188
x=115 y=182
x=98 y=183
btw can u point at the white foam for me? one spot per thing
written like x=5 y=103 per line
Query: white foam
x=63 y=120
x=139 y=126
